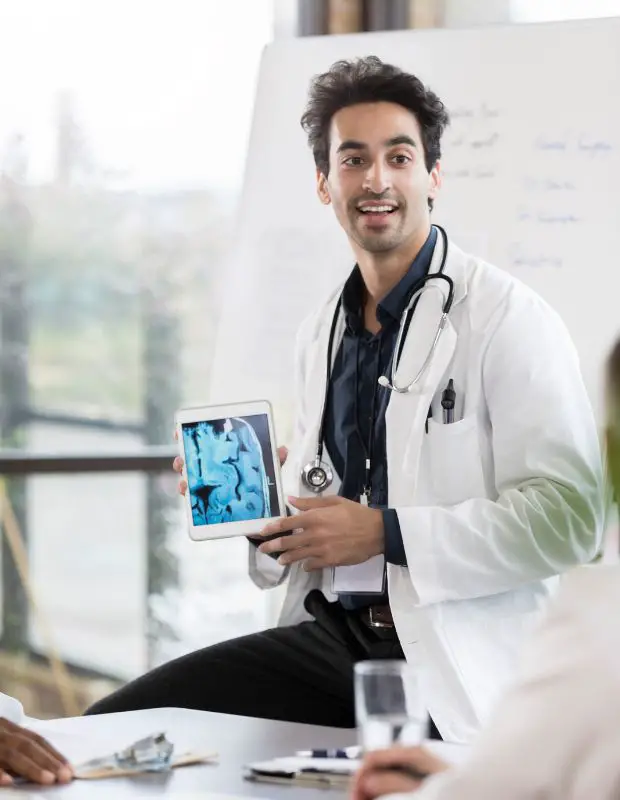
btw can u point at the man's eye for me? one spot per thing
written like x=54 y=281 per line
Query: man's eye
x=353 y=161
x=401 y=159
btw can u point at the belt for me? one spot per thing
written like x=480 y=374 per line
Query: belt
x=377 y=616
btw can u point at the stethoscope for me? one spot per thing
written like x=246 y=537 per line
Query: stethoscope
x=317 y=475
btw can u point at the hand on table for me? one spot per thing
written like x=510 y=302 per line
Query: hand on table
x=383 y=772
x=25 y=754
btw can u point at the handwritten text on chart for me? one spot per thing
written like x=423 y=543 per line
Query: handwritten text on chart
x=557 y=194
x=475 y=142
x=547 y=217
x=483 y=111
x=580 y=144
x=463 y=174
x=519 y=256
x=548 y=185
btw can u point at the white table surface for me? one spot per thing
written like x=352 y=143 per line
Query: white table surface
x=237 y=740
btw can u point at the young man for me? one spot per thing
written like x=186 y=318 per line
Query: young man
x=452 y=506
x=25 y=754
x=555 y=734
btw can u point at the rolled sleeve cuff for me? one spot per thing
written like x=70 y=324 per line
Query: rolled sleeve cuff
x=394 y=547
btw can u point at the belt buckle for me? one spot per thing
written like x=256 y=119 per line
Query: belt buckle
x=374 y=620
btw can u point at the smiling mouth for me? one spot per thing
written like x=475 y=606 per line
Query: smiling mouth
x=376 y=217
x=377 y=210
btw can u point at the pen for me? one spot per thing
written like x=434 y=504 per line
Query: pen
x=334 y=752
x=447 y=402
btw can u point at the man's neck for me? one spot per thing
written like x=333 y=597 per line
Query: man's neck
x=381 y=272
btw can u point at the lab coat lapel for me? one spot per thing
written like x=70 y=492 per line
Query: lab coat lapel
x=407 y=413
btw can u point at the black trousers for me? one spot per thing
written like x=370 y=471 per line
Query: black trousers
x=302 y=673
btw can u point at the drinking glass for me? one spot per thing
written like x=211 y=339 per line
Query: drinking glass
x=389 y=708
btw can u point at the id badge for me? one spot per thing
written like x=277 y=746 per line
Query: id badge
x=366 y=578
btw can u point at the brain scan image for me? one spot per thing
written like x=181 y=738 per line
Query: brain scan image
x=230 y=471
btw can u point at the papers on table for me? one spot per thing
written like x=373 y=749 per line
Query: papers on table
x=300 y=771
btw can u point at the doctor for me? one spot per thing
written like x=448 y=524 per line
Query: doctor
x=445 y=466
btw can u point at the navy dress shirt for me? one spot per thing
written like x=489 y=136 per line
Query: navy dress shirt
x=355 y=398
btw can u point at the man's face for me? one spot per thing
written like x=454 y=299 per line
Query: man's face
x=378 y=183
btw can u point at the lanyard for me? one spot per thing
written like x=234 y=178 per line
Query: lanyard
x=367 y=447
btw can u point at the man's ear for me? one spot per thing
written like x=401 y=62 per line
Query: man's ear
x=322 y=188
x=434 y=181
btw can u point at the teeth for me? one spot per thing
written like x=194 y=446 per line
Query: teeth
x=376 y=209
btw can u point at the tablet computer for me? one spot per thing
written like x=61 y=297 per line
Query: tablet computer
x=231 y=467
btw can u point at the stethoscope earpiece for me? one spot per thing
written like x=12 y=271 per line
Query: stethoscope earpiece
x=384 y=381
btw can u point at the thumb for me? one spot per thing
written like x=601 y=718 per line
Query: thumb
x=282 y=455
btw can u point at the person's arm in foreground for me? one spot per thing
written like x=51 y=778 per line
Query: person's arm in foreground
x=556 y=732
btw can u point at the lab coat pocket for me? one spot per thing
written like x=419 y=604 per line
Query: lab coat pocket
x=455 y=461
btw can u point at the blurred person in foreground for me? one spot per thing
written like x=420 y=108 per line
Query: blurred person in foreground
x=556 y=733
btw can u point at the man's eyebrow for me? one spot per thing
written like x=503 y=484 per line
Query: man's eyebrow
x=351 y=144
x=354 y=144
x=401 y=139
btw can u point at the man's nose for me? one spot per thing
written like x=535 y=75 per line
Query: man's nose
x=376 y=179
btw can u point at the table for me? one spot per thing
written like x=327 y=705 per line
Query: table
x=237 y=740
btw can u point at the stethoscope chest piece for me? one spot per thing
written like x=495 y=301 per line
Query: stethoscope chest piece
x=317 y=476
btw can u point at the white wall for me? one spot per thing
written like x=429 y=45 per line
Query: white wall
x=467 y=13
x=547 y=10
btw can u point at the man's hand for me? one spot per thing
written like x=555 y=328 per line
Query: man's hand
x=331 y=532
x=27 y=755
x=178 y=464
x=383 y=772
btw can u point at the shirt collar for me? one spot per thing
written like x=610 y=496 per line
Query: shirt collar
x=394 y=303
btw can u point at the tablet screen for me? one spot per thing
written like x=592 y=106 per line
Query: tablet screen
x=230 y=470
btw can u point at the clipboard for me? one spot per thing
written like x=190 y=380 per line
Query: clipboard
x=98 y=773
x=311 y=772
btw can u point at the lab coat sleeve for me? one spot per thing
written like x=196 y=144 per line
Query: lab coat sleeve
x=264 y=570
x=394 y=547
x=549 y=511
x=555 y=733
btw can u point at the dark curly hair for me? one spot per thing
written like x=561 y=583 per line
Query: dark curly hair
x=370 y=80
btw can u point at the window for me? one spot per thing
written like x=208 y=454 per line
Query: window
x=122 y=145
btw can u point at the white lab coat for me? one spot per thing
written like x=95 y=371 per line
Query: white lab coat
x=492 y=506
x=556 y=733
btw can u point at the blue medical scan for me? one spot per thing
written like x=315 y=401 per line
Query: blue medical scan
x=230 y=470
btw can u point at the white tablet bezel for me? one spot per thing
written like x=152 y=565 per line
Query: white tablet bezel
x=248 y=527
